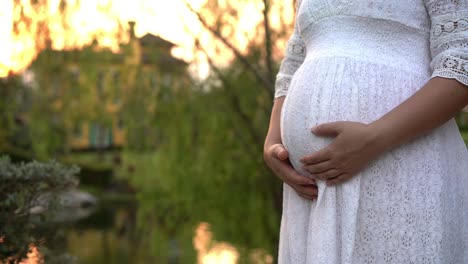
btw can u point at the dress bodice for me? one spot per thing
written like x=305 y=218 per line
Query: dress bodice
x=409 y=13
x=431 y=32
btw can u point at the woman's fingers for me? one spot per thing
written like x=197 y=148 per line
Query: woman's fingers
x=327 y=175
x=307 y=197
x=290 y=175
x=283 y=168
x=317 y=157
x=331 y=129
x=339 y=179
x=276 y=158
x=304 y=186
x=298 y=179
x=319 y=167
x=309 y=192
x=280 y=152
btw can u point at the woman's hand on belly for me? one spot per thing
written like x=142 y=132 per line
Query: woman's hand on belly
x=354 y=147
x=277 y=158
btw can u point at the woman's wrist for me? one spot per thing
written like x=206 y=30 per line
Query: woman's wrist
x=380 y=136
x=270 y=141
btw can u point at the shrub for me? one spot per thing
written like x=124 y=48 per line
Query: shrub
x=20 y=186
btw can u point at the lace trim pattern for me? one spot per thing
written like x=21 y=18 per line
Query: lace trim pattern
x=449 y=38
x=452 y=66
x=296 y=50
x=456 y=44
x=450 y=27
x=440 y=7
x=282 y=85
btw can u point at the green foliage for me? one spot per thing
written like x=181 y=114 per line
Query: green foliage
x=462 y=121
x=208 y=167
x=142 y=135
x=71 y=91
x=18 y=238
x=14 y=101
x=464 y=134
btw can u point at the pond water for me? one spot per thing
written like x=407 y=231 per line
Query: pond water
x=109 y=235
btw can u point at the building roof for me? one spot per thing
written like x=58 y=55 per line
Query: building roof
x=152 y=40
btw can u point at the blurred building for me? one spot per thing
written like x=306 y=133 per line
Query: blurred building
x=93 y=93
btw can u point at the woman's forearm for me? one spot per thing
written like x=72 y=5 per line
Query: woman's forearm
x=274 y=131
x=434 y=104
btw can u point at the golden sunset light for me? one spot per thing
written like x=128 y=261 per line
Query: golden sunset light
x=145 y=103
x=149 y=131
x=171 y=20
x=34 y=256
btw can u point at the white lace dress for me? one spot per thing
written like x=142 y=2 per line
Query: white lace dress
x=356 y=60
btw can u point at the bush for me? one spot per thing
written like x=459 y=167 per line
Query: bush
x=20 y=186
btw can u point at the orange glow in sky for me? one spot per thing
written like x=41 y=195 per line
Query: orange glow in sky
x=170 y=19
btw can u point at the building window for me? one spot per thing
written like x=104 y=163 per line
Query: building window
x=100 y=136
x=117 y=82
x=77 y=131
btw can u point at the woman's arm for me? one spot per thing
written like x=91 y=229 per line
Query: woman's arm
x=277 y=157
x=357 y=144
x=437 y=102
x=274 y=131
x=274 y=153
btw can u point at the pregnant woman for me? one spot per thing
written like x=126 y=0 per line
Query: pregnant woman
x=362 y=133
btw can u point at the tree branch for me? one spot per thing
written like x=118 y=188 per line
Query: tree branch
x=234 y=99
x=264 y=82
x=268 y=42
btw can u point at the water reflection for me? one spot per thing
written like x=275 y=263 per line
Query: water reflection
x=213 y=252
x=34 y=256
x=107 y=236
x=111 y=235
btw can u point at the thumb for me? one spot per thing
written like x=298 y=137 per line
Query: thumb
x=328 y=129
x=280 y=152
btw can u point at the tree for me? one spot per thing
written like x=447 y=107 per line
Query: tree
x=15 y=99
x=259 y=60
x=39 y=24
x=209 y=165
x=43 y=27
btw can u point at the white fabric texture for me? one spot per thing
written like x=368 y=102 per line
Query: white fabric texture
x=357 y=60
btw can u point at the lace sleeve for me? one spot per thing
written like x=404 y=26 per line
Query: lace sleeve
x=449 y=38
x=295 y=54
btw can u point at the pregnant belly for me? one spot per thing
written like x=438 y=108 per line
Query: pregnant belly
x=339 y=89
